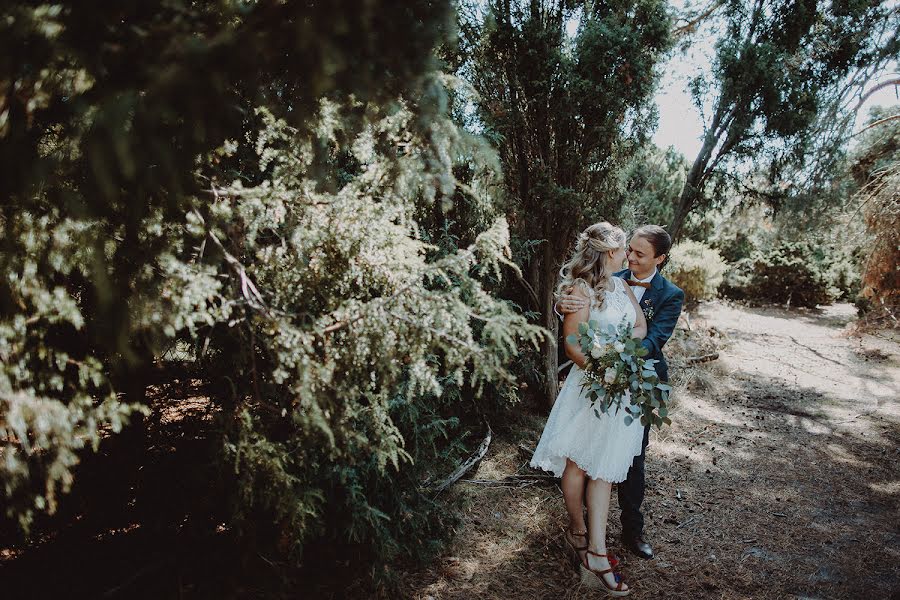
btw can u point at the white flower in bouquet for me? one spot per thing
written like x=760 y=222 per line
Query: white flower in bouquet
x=598 y=349
x=610 y=375
x=619 y=347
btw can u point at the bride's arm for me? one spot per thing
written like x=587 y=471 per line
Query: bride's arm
x=570 y=326
x=640 y=323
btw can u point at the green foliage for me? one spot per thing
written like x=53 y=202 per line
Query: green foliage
x=616 y=365
x=332 y=269
x=565 y=113
x=740 y=231
x=796 y=273
x=353 y=327
x=782 y=94
x=653 y=180
x=103 y=115
x=697 y=269
x=56 y=396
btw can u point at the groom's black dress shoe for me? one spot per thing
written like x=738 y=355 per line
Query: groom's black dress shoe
x=640 y=547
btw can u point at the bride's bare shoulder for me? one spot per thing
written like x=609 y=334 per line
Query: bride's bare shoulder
x=581 y=289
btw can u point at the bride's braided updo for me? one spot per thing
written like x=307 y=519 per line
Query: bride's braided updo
x=588 y=262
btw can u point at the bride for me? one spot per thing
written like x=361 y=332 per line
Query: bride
x=576 y=444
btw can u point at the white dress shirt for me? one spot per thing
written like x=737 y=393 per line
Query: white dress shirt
x=639 y=290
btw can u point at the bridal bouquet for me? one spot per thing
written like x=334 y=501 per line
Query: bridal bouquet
x=615 y=365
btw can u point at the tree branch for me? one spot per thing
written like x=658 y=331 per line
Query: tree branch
x=880 y=86
x=876 y=123
x=691 y=23
x=468 y=464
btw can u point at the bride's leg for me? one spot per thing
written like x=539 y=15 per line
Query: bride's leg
x=573 y=480
x=598 y=493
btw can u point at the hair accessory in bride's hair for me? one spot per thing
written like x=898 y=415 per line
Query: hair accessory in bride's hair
x=597 y=244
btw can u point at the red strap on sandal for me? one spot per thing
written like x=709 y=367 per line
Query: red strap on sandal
x=573 y=534
x=612 y=563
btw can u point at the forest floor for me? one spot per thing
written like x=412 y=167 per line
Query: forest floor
x=780 y=476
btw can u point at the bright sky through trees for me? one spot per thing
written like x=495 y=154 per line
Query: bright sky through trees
x=680 y=124
x=679 y=119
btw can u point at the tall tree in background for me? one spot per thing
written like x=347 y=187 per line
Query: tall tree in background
x=565 y=113
x=875 y=167
x=778 y=93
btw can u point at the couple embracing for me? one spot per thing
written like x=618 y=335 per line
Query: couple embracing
x=592 y=451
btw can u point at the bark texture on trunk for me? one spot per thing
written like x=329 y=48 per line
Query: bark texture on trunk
x=696 y=178
x=551 y=322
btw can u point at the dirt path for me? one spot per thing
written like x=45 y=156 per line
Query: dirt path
x=779 y=478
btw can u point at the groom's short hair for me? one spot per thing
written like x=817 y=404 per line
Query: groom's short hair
x=658 y=237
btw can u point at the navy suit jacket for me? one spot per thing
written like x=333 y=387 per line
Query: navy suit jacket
x=665 y=299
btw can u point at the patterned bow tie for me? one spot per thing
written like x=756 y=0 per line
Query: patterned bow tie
x=643 y=284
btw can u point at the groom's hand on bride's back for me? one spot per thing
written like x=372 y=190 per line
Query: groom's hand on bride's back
x=569 y=303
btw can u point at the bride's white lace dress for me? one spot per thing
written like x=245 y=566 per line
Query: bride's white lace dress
x=604 y=448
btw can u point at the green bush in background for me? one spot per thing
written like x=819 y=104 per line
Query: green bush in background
x=794 y=273
x=696 y=268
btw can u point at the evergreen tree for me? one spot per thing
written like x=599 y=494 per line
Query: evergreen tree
x=781 y=77
x=280 y=249
x=565 y=112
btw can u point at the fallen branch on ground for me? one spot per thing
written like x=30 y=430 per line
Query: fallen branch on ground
x=515 y=480
x=529 y=452
x=702 y=359
x=467 y=465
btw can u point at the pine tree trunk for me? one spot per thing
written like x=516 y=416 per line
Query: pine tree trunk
x=551 y=322
x=542 y=275
x=693 y=187
x=685 y=204
x=696 y=178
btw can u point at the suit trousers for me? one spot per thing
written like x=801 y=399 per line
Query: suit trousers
x=631 y=494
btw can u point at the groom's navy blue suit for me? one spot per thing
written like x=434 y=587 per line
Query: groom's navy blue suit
x=661 y=304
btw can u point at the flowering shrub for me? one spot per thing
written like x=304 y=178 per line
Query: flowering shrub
x=697 y=269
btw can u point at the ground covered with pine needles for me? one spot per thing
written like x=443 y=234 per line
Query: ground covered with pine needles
x=779 y=478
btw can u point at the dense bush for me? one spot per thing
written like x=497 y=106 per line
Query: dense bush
x=362 y=337
x=736 y=245
x=344 y=342
x=795 y=273
x=697 y=269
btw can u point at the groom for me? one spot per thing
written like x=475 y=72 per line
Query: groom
x=661 y=301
